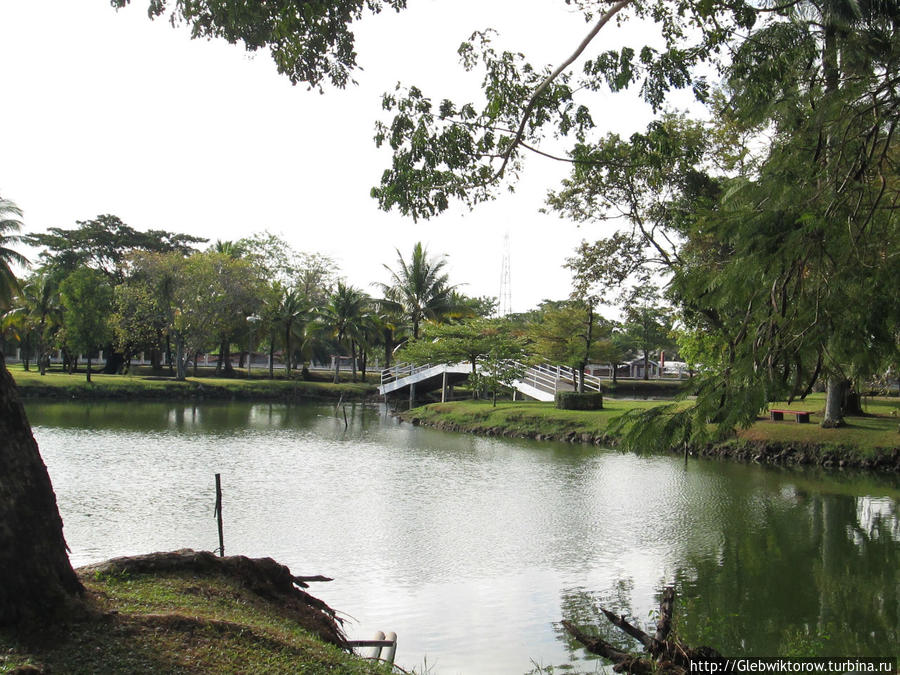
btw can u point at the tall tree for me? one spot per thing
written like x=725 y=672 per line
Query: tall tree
x=648 y=323
x=10 y=226
x=493 y=348
x=104 y=243
x=574 y=335
x=40 y=306
x=87 y=297
x=419 y=288
x=290 y=313
x=344 y=315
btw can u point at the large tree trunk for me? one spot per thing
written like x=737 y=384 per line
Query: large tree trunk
x=169 y=353
x=227 y=368
x=180 y=373
x=287 y=351
x=834 y=402
x=38 y=580
x=114 y=360
x=89 y=367
x=646 y=365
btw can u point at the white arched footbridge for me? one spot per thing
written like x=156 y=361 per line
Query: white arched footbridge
x=540 y=382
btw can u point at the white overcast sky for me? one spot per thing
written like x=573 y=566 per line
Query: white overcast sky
x=108 y=112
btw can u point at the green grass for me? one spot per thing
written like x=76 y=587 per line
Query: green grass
x=177 y=623
x=877 y=430
x=523 y=417
x=143 y=385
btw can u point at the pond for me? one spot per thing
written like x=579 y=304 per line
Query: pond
x=473 y=549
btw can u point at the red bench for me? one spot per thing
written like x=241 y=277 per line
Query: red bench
x=802 y=415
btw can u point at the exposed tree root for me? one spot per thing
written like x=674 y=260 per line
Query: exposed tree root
x=664 y=655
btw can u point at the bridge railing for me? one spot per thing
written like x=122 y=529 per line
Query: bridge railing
x=548 y=377
x=399 y=370
x=543 y=376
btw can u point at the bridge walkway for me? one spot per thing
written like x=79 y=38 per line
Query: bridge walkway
x=539 y=382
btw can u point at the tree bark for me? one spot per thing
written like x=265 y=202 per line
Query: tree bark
x=181 y=373
x=834 y=402
x=38 y=580
x=227 y=368
x=169 y=353
x=89 y=367
x=287 y=350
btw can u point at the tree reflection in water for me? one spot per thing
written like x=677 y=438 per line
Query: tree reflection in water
x=828 y=587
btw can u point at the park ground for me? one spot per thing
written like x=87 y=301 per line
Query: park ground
x=868 y=441
x=143 y=384
x=182 y=621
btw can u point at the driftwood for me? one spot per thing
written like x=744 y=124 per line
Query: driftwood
x=664 y=655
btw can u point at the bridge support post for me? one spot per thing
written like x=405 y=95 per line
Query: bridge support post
x=412 y=395
x=444 y=387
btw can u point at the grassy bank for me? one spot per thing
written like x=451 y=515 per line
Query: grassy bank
x=143 y=385
x=870 y=441
x=185 y=621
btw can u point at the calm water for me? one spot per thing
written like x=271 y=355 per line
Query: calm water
x=473 y=549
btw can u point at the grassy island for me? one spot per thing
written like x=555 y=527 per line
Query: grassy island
x=869 y=441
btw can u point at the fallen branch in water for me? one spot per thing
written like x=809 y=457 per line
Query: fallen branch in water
x=665 y=656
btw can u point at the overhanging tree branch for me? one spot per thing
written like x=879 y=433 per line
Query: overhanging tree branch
x=520 y=133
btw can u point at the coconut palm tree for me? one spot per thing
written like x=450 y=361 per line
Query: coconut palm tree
x=10 y=226
x=345 y=315
x=419 y=289
x=40 y=310
x=290 y=312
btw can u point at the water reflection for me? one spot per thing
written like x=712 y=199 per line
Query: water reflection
x=794 y=573
x=473 y=549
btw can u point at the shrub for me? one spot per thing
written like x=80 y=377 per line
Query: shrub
x=572 y=400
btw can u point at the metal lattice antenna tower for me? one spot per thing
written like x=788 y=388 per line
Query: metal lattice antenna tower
x=505 y=283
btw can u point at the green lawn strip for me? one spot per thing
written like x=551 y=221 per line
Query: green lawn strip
x=524 y=418
x=175 y=623
x=873 y=434
x=56 y=384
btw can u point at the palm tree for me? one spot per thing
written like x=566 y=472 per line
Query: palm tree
x=419 y=289
x=41 y=311
x=10 y=225
x=290 y=311
x=345 y=315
